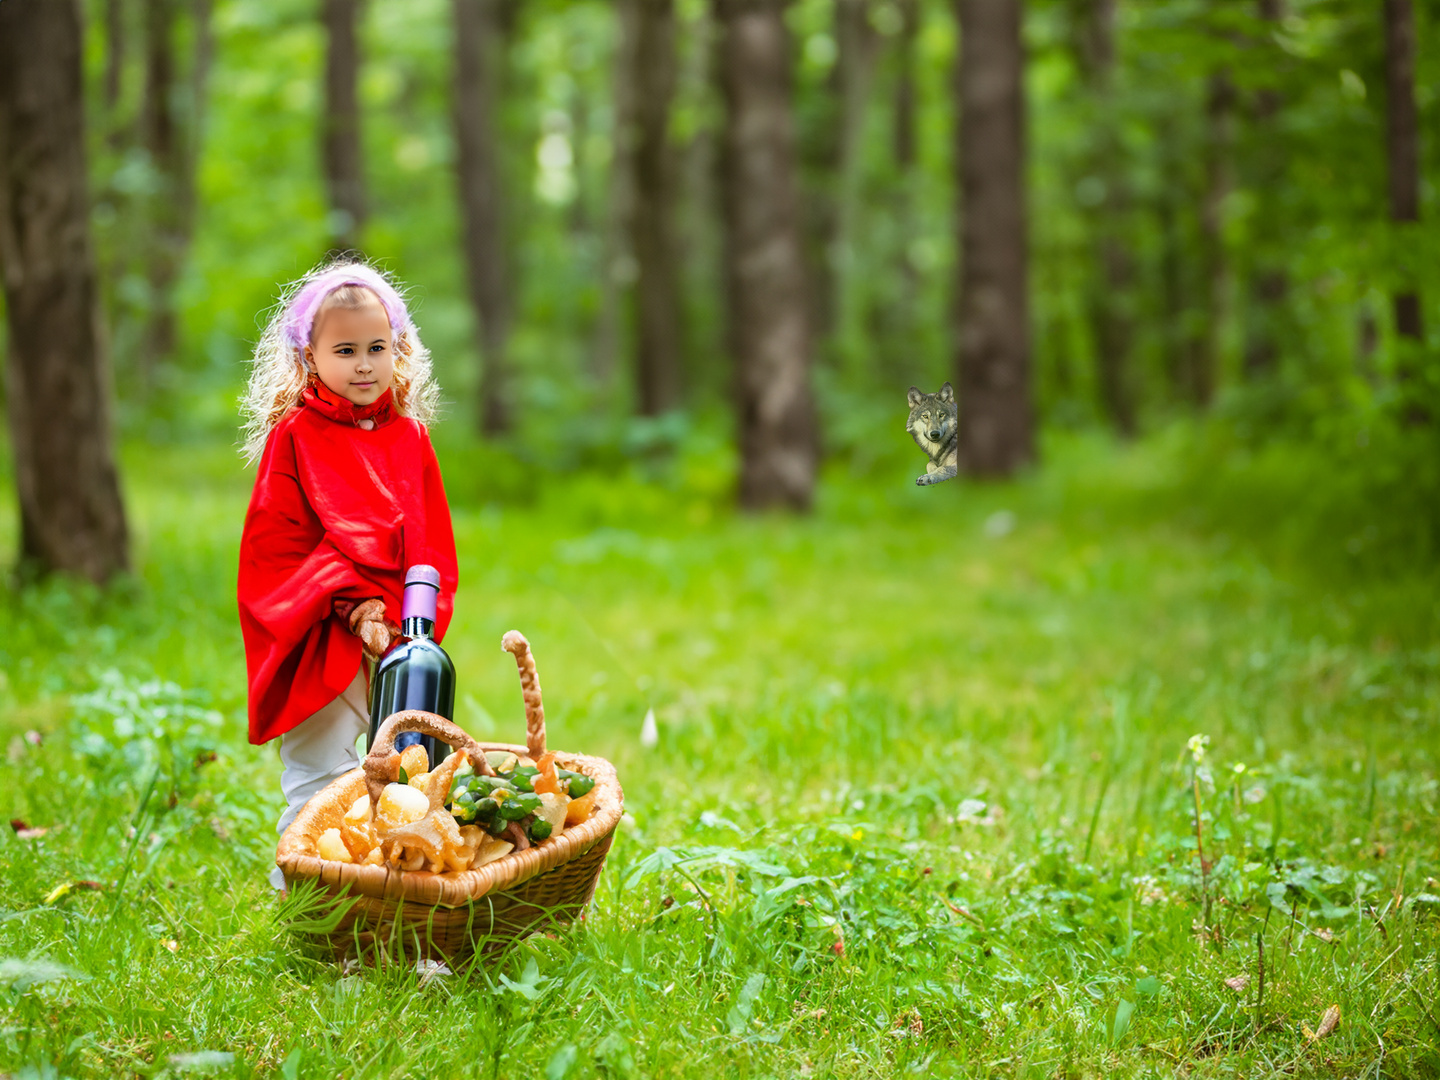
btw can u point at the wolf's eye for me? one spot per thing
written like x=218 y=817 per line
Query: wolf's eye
x=924 y=416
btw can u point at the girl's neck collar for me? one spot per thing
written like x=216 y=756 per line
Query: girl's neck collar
x=343 y=411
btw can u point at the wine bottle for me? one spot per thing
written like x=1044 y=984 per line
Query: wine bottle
x=416 y=673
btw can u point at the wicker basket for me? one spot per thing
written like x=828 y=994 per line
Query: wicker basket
x=379 y=912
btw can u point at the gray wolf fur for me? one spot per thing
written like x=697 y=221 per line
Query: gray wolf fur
x=934 y=425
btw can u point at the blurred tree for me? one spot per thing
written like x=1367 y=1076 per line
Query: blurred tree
x=114 y=51
x=1269 y=281
x=835 y=164
x=1182 y=320
x=1403 y=140
x=343 y=157
x=992 y=307
x=648 y=49
x=1112 y=266
x=57 y=384
x=171 y=116
x=903 y=135
x=1219 y=180
x=769 y=324
x=479 y=42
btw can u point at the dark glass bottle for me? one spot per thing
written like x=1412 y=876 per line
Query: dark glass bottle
x=416 y=673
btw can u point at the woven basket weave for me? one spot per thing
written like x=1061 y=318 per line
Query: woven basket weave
x=383 y=912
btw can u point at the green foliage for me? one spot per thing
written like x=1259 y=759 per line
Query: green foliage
x=1302 y=150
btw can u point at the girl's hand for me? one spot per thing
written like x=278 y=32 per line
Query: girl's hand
x=368 y=623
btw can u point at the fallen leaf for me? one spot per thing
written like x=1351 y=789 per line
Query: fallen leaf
x=25 y=831
x=34 y=738
x=1324 y=934
x=1238 y=983
x=171 y=944
x=67 y=887
x=1328 y=1023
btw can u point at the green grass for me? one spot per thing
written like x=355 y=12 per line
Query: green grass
x=922 y=799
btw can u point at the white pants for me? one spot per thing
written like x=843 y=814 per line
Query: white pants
x=318 y=750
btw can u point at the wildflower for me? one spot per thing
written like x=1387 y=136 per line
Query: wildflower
x=1198 y=745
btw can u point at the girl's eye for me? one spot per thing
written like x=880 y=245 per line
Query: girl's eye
x=346 y=350
x=377 y=348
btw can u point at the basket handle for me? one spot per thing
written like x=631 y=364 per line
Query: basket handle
x=383 y=761
x=514 y=642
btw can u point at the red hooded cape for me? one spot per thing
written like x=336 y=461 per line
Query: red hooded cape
x=338 y=513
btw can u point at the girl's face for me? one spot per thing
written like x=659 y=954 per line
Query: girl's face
x=352 y=351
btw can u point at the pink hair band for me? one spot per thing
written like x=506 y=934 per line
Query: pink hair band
x=299 y=318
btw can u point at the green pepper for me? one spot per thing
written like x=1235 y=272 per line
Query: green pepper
x=463 y=812
x=579 y=785
x=540 y=829
x=511 y=810
x=523 y=778
x=486 y=810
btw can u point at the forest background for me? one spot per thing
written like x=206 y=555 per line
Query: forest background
x=1224 y=200
x=679 y=262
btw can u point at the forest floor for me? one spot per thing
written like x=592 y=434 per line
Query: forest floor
x=923 y=799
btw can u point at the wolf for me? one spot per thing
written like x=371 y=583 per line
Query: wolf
x=934 y=427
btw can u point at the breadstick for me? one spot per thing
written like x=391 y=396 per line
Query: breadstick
x=514 y=642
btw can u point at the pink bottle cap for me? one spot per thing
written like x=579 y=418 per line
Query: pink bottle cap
x=422 y=590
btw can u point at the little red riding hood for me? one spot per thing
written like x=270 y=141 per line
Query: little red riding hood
x=337 y=514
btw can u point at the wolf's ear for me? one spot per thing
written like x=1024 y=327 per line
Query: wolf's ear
x=914 y=397
x=947 y=395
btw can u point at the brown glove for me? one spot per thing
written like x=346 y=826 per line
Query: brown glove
x=368 y=623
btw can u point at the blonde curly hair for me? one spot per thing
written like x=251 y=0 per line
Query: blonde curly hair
x=278 y=375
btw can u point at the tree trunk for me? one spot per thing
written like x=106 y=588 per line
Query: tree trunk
x=171 y=134
x=1112 y=270
x=649 y=26
x=344 y=169
x=1269 y=283
x=833 y=199
x=765 y=265
x=1175 y=205
x=477 y=63
x=1402 y=130
x=114 y=52
x=992 y=308
x=1219 y=103
x=892 y=314
x=904 y=133
x=616 y=261
x=57 y=379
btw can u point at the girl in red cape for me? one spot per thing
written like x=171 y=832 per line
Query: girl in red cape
x=348 y=495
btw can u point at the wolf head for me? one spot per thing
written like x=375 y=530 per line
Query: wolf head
x=932 y=417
